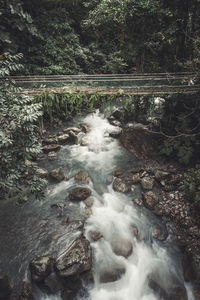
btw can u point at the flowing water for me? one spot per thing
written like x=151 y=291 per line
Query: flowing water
x=34 y=228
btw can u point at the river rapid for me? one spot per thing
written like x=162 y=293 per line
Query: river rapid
x=35 y=229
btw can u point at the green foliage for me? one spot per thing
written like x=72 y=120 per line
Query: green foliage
x=192 y=180
x=181 y=127
x=18 y=133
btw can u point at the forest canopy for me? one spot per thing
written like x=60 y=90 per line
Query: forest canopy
x=102 y=36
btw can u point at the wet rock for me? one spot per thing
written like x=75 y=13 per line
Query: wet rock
x=65 y=220
x=118 y=114
x=161 y=175
x=120 y=186
x=76 y=225
x=118 y=173
x=68 y=294
x=50 y=148
x=111 y=273
x=159 y=233
x=89 y=202
x=139 y=141
x=75 y=130
x=88 y=212
x=136 y=178
x=41 y=267
x=138 y=201
x=150 y=200
x=52 y=284
x=177 y=293
x=134 y=230
x=79 y=193
x=63 y=139
x=136 y=169
x=121 y=246
x=59 y=205
x=115 y=135
x=188 y=269
x=75 y=260
x=52 y=155
x=5 y=287
x=50 y=141
x=43 y=173
x=95 y=235
x=73 y=138
x=83 y=176
x=109 y=179
x=57 y=174
x=147 y=183
x=85 y=128
x=26 y=291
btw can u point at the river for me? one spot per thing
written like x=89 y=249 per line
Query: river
x=33 y=228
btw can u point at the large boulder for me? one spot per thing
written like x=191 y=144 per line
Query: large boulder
x=75 y=260
x=140 y=141
x=41 y=267
x=79 y=193
x=57 y=174
x=5 y=287
x=83 y=176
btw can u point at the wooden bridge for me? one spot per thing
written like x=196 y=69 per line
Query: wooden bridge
x=144 y=83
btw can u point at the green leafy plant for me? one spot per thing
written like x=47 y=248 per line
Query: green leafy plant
x=18 y=134
x=192 y=181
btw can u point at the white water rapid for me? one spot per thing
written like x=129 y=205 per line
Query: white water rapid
x=115 y=217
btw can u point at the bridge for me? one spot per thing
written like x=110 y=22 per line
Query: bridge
x=142 y=83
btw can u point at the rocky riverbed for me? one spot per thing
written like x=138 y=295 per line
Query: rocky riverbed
x=155 y=186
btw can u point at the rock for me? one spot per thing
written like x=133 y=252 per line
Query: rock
x=147 y=183
x=65 y=220
x=41 y=267
x=59 y=205
x=89 y=202
x=177 y=293
x=79 y=193
x=138 y=201
x=73 y=137
x=110 y=273
x=57 y=174
x=136 y=178
x=63 y=139
x=83 y=176
x=5 y=287
x=50 y=148
x=140 y=141
x=75 y=260
x=115 y=135
x=118 y=114
x=52 y=284
x=188 y=269
x=75 y=130
x=121 y=246
x=85 y=128
x=50 y=141
x=95 y=235
x=120 y=186
x=43 y=173
x=150 y=200
x=68 y=294
x=52 y=155
x=88 y=212
x=136 y=169
x=159 y=233
x=109 y=179
x=118 y=173
x=26 y=291
x=76 y=225
x=160 y=175
x=134 y=230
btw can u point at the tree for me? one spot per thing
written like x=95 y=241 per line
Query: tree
x=18 y=134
